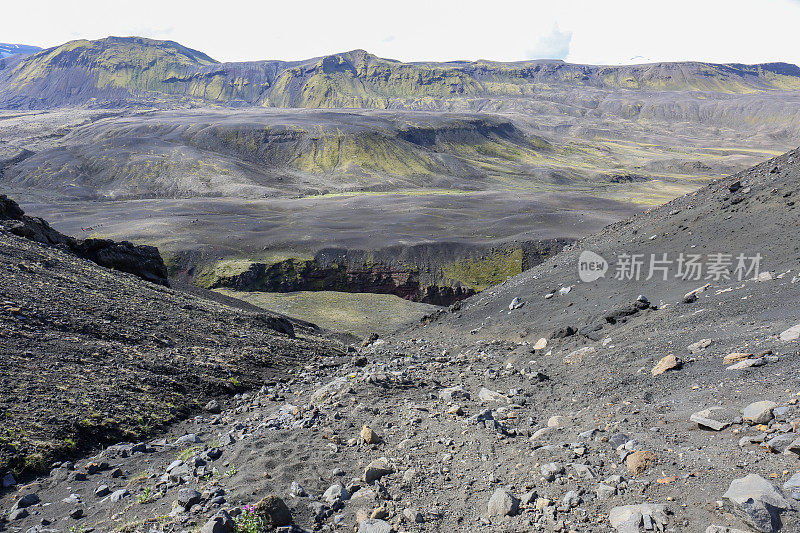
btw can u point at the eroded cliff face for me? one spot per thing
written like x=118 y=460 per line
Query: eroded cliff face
x=435 y=273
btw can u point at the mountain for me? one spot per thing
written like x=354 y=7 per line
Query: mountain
x=134 y=68
x=7 y=49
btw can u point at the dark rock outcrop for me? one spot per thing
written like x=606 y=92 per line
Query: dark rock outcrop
x=142 y=261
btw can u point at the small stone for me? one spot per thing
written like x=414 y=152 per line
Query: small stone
x=748 y=363
x=8 y=481
x=736 y=357
x=336 y=493
x=503 y=503
x=486 y=395
x=213 y=407
x=101 y=491
x=27 y=500
x=412 y=515
x=556 y=421
x=17 y=514
x=604 y=491
x=758 y=412
x=571 y=499
x=76 y=513
x=297 y=490
x=638 y=462
x=369 y=436
x=379 y=513
x=668 y=362
x=219 y=523
x=794 y=447
x=118 y=495
x=454 y=393
x=551 y=470
x=516 y=303
x=792 y=484
x=577 y=356
x=374 y=525
x=699 y=346
x=627 y=518
x=541 y=344
x=191 y=438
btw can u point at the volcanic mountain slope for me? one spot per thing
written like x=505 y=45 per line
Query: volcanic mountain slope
x=125 y=67
x=253 y=154
x=89 y=355
x=543 y=404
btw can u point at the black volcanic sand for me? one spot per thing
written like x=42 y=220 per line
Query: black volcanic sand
x=247 y=228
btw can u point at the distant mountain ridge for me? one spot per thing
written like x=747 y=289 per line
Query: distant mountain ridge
x=7 y=49
x=120 y=70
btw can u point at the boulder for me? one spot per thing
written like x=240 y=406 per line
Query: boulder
x=273 y=511
x=638 y=462
x=376 y=470
x=758 y=412
x=757 y=501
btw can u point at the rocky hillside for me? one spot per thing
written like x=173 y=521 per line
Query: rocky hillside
x=254 y=154
x=117 y=68
x=90 y=356
x=664 y=400
x=142 y=261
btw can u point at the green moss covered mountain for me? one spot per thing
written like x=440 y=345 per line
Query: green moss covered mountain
x=124 y=69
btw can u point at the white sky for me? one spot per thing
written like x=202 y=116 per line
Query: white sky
x=579 y=31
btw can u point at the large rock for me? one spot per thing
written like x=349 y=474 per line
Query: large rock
x=792 y=484
x=758 y=502
x=716 y=418
x=376 y=470
x=668 y=362
x=628 y=518
x=791 y=334
x=758 y=412
x=273 y=511
x=219 y=523
x=638 y=462
x=503 y=503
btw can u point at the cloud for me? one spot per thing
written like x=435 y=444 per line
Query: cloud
x=555 y=45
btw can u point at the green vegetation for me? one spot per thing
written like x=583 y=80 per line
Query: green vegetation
x=356 y=313
x=481 y=273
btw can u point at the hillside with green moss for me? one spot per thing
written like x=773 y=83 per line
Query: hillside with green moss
x=124 y=69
